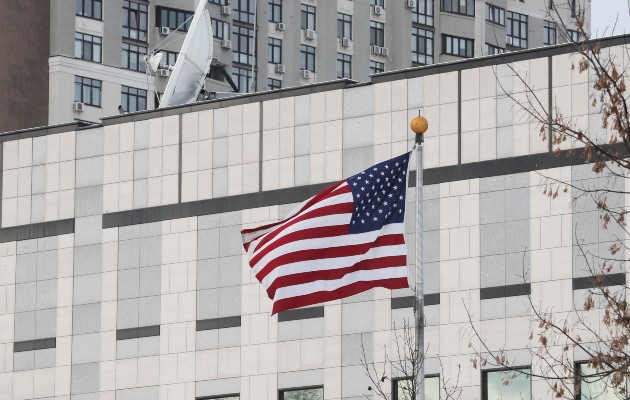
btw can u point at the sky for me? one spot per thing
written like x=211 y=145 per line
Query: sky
x=603 y=16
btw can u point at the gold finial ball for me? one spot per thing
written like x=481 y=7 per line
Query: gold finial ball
x=419 y=125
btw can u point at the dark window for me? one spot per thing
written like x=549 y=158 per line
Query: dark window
x=132 y=57
x=243 y=10
x=376 y=67
x=274 y=47
x=87 y=91
x=492 y=49
x=380 y=3
x=175 y=19
x=302 y=394
x=168 y=58
x=274 y=10
x=421 y=46
x=220 y=29
x=243 y=79
x=132 y=99
x=573 y=5
x=307 y=58
x=377 y=33
x=242 y=51
x=516 y=29
x=134 y=20
x=465 y=7
x=595 y=384
x=219 y=2
x=307 y=17
x=507 y=384
x=457 y=46
x=90 y=9
x=344 y=66
x=403 y=389
x=549 y=32
x=344 y=26
x=422 y=12
x=87 y=47
x=573 y=36
x=495 y=14
x=274 y=84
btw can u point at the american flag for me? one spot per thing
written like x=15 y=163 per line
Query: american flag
x=345 y=240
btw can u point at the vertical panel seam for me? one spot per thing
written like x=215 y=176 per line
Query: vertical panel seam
x=260 y=146
x=549 y=101
x=459 y=117
x=179 y=170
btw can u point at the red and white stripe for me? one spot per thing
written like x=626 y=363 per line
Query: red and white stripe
x=310 y=257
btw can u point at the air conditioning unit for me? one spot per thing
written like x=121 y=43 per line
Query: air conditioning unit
x=280 y=69
x=411 y=3
x=226 y=10
x=165 y=30
x=375 y=50
x=377 y=10
x=384 y=51
x=306 y=74
x=226 y=44
x=345 y=42
x=164 y=72
x=77 y=106
x=310 y=34
x=280 y=26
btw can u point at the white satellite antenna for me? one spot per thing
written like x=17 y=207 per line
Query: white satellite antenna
x=193 y=61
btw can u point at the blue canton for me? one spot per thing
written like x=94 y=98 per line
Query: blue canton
x=379 y=195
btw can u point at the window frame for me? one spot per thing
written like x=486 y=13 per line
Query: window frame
x=408 y=378
x=378 y=3
x=137 y=95
x=307 y=56
x=308 y=17
x=90 y=84
x=225 y=31
x=491 y=11
x=428 y=15
x=274 y=50
x=377 y=34
x=512 y=21
x=243 y=11
x=492 y=50
x=82 y=8
x=374 y=67
x=272 y=86
x=344 y=24
x=579 y=385
x=83 y=42
x=281 y=392
x=573 y=35
x=454 y=7
x=179 y=24
x=236 y=77
x=274 y=11
x=141 y=10
x=416 y=39
x=166 y=55
x=548 y=27
x=242 y=36
x=129 y=51
x=218 y=2
x=484 y=378
x=445 y=37
x=345 y=61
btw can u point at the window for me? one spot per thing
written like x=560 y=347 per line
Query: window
x=380 y=3
x=90 y=9
x=219 y=2
x=457 y=46
x=403 y=389
x=422 y=12
x=549 y=32
x=573 y=36
x=87 y=47
x=87 y=91
x=307 y=58
x=421 y=46
x=242 y=50
x=220 y=29
x=168 y=58
x=492 y=49
x=175 y=19
x=243 y=79
x=516 y=29
x=495 y=14
x=243 y=10
x=274 y=52
x=228 y=397
x=465 y=7
x=495 y=387
x=377 y=33
x=572 y=4
x=132 y=57
x=274 y=84
x=344 y=66
x=275 y=10
x=303 y=394
x=344 y=26
x=376 y=67
x=132 y=99
x=307 y=17
x=595 y=386
x=134 y=20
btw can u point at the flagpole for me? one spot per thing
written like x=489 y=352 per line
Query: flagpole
x=419 y=126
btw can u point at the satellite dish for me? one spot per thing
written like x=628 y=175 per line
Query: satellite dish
x=193 y=61
x=154 y=61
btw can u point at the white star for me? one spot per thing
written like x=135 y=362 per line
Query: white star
x=367 y=213
x=371 y=176
x=358 y=195
x=354 y=183
x=375 y=169
x=363 y=189
x=385 y=203
x=380 y=211
x=375 y=219
x=363 y=221
x=386 y=166
x=397 y=164
x=390 y=195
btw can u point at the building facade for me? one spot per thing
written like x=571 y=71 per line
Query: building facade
x=122 y=274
